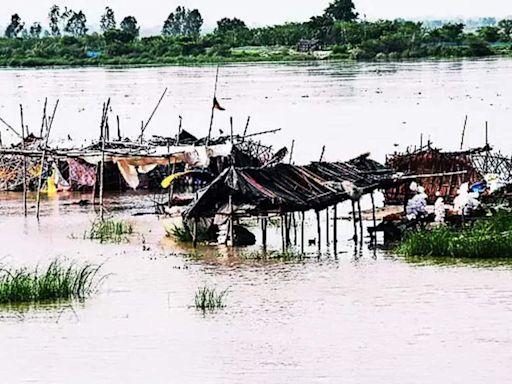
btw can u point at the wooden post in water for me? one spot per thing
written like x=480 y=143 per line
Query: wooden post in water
x=102 y=164
x=231 y=221
x=373 y=214
x=25 y=209
x=44 y=117
x=118 y=129
x=354 y=219
x=212 y=116
x=327 y=242
x=302 y=232
x=43 y=157
x=194 y=236
x=360 y=219
x=335 y=230
x=319 y=233
x=264 y=234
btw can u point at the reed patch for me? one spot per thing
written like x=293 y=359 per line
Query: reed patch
x=57 y=282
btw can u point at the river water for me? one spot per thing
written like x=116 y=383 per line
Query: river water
x=361 y=317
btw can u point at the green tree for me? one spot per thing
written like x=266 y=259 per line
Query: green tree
x=229 y=25
x=174 y=25
x=193 y=23
x=183 y=22
x=108 y=20
x=54 y=18
x=489 y=34
x=76 y=24
x=15 y=27
x=505 y=27
x=130 y=26
x=35 y=30
x=342 y=10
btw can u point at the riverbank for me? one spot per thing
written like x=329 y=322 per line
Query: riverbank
x=28 y=56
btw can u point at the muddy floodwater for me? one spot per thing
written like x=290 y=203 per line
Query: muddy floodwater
x=362 y=316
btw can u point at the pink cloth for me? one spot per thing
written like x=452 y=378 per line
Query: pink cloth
x=81 y=173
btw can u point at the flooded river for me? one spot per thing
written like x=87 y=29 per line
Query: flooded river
x=361 y=317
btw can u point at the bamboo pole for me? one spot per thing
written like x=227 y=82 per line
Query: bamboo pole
x=213 y=107
x=231 y=221
x=102 y=166
x=118 y=129
x=319 y=233
x=264 y=234
x=291 y=150
x=463 y=132
x=25 y=208
x=327 y=242
x=231 y=127
x=195 y=233
x=43 y=156
x=335 y=230
x=322 y=154
x=283 y=242
x=302 y=232
x=44 y=117
x=360 y=219
x=373 y=210
x=246 y=128
x=354 y=219
x=173 y=169
x=10 y=128
x=144 y=126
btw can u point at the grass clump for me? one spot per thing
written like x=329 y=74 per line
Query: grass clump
x=56 y=283
x=209 y=299
x=487 y=239
x=109 y=231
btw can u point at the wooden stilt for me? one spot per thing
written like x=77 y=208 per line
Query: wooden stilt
x=302 y=217
x=264 y=234
x=118 y=129
x=319 y=233
x=25 y=209
x=327 y=237
x=231 y=222
x=354 y=219
x=43 y=157
x=283 y=241
x=102 y=164
x=374 y=218
x=294 y=224
x=360 y=219
x=335 y=230
x=194 y=236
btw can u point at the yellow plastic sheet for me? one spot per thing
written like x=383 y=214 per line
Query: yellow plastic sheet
x=170 y=179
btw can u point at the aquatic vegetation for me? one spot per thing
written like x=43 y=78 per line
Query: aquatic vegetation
x=209 y=299
x=184 y=235
x=273 y=255
x=57 y=282
x=490 y=238
x=109 y=231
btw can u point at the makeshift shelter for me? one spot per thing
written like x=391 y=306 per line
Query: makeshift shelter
x=436 y=171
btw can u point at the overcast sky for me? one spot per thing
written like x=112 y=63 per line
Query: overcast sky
x=151 y=13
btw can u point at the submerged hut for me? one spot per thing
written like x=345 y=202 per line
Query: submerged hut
x=438 y=171
x=285 y=189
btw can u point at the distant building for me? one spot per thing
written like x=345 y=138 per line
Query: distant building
x=306 y=46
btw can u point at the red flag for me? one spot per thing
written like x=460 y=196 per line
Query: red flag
x=216 y=105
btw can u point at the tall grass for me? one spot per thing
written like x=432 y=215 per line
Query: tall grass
x=57 y=282
x=486 y=239
x=109 y=231
x=209 y=299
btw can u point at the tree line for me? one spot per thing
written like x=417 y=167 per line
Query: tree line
x=339 y=28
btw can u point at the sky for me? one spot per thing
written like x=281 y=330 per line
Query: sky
x=151 y=13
